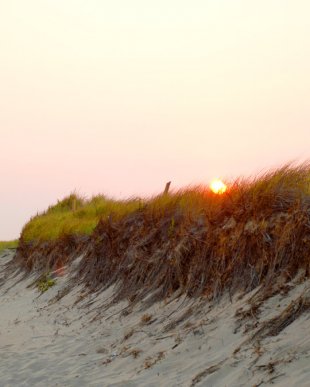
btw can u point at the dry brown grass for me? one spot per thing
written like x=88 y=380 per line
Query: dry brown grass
x=146 y=319
x=135 y=352
x=277 y=324
x=128 y=334
x=151 y=361
x=47 y=255
x=196 y=242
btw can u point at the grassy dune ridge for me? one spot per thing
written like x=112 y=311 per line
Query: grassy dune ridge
x=74 y=215
x=77 y=215
x=192 y=241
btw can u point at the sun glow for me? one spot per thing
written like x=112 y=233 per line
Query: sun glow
x=217 y=186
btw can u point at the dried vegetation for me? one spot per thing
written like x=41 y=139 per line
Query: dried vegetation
x=190 y=241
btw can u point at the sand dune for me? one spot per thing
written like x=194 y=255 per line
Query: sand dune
x=66 y=337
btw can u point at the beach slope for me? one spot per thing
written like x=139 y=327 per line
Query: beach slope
x=67 y=336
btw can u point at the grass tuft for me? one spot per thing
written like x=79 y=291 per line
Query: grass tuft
x=45 y=282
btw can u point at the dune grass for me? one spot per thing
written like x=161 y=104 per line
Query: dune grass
x=190 y=240
x=75 y=215
x=8 y=245
x=203 y=244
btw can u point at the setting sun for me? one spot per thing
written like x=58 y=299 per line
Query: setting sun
x=217 y=186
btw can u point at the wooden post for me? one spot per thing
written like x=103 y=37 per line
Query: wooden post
x=167 y=188
x=74 y=204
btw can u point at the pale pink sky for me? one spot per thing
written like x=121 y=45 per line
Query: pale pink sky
x=121 y=96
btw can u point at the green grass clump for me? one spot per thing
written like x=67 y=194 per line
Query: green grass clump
x=8 y=245
x=45 y=283
x=75 y=215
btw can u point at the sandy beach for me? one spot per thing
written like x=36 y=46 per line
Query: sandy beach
x=66 y=337
x=155 y=193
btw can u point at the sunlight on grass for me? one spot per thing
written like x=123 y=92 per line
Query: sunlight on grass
x=77 y=215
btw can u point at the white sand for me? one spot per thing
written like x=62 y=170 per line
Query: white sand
x=44 y=342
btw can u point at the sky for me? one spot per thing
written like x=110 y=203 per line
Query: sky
x=119 y=97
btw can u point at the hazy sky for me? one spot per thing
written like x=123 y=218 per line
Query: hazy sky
x=121 y=96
